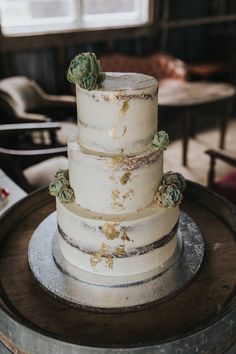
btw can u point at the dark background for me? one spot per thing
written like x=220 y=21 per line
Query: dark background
x=46 y=57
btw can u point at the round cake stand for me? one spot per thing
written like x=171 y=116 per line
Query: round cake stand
x=92 y=292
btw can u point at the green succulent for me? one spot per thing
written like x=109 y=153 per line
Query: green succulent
x=89 y=81
x=66 y=195
x=85 y=71
x=169 y=196
x=56 y=186
x=62 y=174
x=174 y=178
x=161 y=140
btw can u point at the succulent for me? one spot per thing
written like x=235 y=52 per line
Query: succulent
x=169 y=195
x=66 y=195
x=174 y=178
x=89 y=81
x=55 y=186
x=62 y=174
x=161 y=140
x=85 y=71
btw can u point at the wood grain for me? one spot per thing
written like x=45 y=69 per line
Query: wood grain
x=200 y=303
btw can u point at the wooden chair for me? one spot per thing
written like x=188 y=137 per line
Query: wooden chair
x=22 y=100
x=226 y=185
x=31 y=163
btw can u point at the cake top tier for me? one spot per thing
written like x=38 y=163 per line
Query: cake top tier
x=120 y=116
x=127 y=82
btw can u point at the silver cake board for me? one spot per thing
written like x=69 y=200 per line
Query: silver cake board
x=82 y=289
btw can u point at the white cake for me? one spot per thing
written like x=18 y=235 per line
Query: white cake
x=116 y=225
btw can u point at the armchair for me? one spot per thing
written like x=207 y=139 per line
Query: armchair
x=226 y=185
x=23 y=100
x=31 y=163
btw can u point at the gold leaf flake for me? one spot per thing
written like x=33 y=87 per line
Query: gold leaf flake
x=127 y=194
x=110 y=231
x=125 y=106
x=115 y=162
x=120 y=250
x=124 y=179
x=109 y=261
x=124 y=236
x=95 y=259
x=104 y=249
x=115 y=194
x=117 y=205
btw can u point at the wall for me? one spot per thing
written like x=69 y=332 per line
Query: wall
x=47 y=63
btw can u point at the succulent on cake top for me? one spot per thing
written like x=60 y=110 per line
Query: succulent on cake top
x=85 y=70
x=60 y=187
x=161 y=140
x=169 y=194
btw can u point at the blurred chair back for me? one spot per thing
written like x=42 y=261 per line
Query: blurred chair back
x=26 y=158
x=23 y=100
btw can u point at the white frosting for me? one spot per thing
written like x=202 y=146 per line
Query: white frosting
x=114 y=185
x=85 y=231
x=120 y=116
x=114 y=228
x=121 y=266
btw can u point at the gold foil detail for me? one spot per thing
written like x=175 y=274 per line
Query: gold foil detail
x=124 y=179
x=114 y=162
x=110 y=231
x=115 y=194
x=117 y=205
x=97 y=257
x=124 y=236
x=109 y=261
x=128 y=194
x=125 y=106
x=120 y=250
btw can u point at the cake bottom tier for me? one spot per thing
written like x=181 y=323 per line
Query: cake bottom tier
x=121 y=245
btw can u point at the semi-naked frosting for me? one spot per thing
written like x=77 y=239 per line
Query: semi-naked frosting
x=114 y=184
x=119 y=117
x=114 y=225
x=122 y=245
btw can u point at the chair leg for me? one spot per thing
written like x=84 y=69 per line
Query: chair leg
x=223 y=123
x=185 y=136
x=211 y=173
x=193 y=126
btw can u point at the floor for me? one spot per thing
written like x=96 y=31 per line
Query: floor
x=198 y=161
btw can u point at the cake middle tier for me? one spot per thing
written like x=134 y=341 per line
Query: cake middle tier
x=114 y=185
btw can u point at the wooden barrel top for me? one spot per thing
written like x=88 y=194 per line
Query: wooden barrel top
x=203 y=315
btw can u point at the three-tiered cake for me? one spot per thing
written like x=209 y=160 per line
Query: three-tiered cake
x=117 y=212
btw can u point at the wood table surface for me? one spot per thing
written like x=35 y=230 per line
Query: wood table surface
x=194 y=316
x=190 y=100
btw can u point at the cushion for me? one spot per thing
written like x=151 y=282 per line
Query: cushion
x=160 y=65
x=226 y=186
x=41 y=174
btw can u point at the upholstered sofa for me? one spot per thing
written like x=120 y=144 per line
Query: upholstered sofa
x=160 y=65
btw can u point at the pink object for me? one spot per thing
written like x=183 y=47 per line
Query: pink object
x=226 y=186
x=4 y=194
